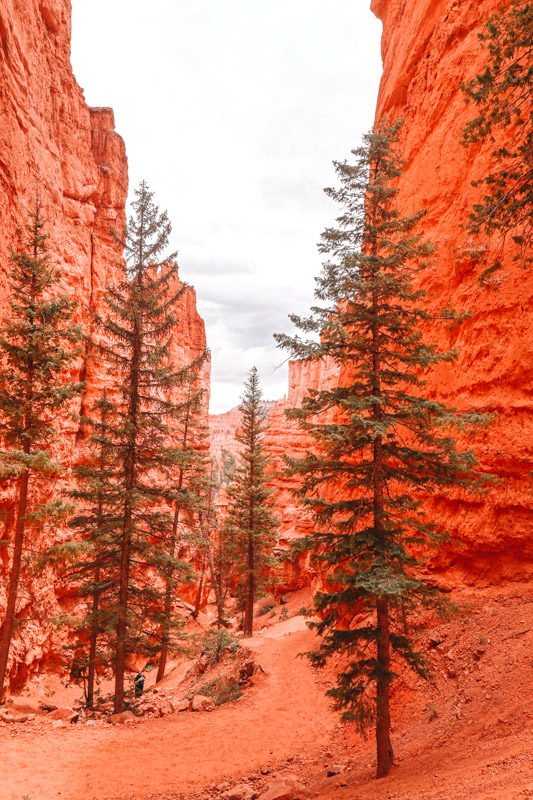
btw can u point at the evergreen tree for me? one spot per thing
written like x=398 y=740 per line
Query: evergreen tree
x=38 y=342
x=502 y=94
x=208 y=534
x=380 y=445
x=190 y=437
x=135 y=343
x=250 y=525
x=89 y=561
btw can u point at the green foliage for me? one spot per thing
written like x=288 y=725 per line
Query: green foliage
x=221 y=690
x=502 y=95
x=216 y=642
x=265 y=609
x=131 y=488
x=250 y=525
x=225 y=471
x=38 y=343
x=380 y=445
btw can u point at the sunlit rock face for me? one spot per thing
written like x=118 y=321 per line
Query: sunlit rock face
x=427 y=49
x=51 y=139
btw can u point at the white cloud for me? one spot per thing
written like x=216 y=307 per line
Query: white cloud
x=233 y=111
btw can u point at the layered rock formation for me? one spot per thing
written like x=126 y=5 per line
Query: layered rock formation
x=50 y=138
x=427 y=49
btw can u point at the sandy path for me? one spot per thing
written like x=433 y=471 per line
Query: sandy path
x=285 y=713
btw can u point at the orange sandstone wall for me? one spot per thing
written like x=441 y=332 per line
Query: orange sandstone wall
x=49 y=135
x=427 y=49
x=284 y=437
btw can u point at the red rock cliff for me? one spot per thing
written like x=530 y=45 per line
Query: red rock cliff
x=427 y=49
x=49 y=135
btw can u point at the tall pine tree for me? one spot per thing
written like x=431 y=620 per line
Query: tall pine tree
x=250 y=525
x=190 y=441
x=502 y=96
x=88 y=560
x=380 y=444
x=134 y=341
x=38 y=342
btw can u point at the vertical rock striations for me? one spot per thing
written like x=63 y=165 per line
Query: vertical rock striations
x=427 y=49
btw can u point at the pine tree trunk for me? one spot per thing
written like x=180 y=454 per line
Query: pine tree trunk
x=384 y=747
x=9 y=621
x=92 y=646
x=199 y=593
x=122 y=626
x=165 y=635
x=129 y=483
x=220 y=584
x=383 y=742
x=172 y=551
x=212 y=570
x=249 y=610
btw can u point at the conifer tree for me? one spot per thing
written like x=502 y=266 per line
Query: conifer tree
x=190 y=440
x=502 y=95
x=380 y=444
x=89 y=561
x=250 y=525
x=135 y=344
x=38 y=341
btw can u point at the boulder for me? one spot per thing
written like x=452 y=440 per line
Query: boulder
x=15 y=717
x=65 y=714
x=45 y=706
x=240 y=792
x=183 y=705
x=202 y=703
x=288 y=788
x=121 y=717
x=335 y=769
x=246 y=671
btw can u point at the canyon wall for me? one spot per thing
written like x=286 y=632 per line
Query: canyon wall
x=49 y=137
x=427 y=49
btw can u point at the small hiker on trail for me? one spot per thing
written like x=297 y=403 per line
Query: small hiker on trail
x=139 y=680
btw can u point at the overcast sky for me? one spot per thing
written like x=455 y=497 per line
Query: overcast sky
x=232 y=111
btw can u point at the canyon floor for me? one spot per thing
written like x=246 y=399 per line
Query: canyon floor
x=470 y=735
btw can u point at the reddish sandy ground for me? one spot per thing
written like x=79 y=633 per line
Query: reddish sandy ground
x=469 y=736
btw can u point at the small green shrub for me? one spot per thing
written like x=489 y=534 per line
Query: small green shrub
x=221 y=690
x=215 y=642
x=265 y=609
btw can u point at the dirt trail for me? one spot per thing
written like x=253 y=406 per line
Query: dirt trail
x=467 y=737
x=285 y=713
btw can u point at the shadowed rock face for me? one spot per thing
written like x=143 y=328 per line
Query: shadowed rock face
x=427 y=49
x=49 y=136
